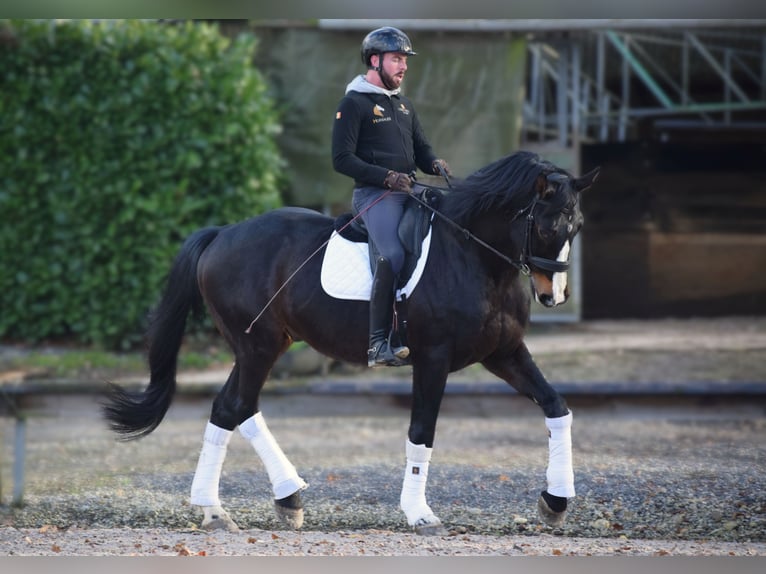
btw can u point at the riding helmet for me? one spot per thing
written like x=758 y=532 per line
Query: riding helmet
x=386 y=39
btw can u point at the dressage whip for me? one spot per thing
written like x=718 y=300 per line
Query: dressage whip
x=317 y=250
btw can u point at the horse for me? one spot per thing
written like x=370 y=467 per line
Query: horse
x=513 y=218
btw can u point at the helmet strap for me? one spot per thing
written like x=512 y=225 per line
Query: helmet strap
x=379 y=70
x=380 y=62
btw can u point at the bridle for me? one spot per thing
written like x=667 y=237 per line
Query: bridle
x=526 y=260
x=526 y=256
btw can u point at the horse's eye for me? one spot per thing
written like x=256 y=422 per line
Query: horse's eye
x=546 y=233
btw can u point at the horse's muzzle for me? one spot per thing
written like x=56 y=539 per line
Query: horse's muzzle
x=550 y=291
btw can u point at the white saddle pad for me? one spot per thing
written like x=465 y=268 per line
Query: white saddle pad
x=346 y=269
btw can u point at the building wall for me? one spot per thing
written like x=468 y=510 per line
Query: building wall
x=675 y=229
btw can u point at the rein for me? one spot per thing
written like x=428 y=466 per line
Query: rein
x=526 y=256
x=522 y=264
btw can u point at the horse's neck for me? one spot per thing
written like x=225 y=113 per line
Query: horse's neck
x=496 y=232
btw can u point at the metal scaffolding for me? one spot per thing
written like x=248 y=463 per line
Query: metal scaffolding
x=598 y=85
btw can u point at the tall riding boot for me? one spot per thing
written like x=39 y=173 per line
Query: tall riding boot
x=381 y=317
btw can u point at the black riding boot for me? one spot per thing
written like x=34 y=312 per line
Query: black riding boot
x=381 y=317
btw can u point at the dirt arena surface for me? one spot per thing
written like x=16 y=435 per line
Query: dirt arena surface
x=655 y=477
x=651 y=479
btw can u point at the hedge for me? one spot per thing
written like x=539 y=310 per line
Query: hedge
x=117 y=140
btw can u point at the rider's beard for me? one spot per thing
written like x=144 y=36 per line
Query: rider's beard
x=389 y=81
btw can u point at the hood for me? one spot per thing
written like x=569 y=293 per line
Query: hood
x=360 y=84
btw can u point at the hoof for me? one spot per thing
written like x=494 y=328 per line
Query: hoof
x=290 y=511
x=218 y=519
x=290 y=517
x=430 y=528
x=552 y=509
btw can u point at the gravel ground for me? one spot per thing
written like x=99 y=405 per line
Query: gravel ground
x=652 y=479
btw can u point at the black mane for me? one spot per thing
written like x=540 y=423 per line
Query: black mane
x=505 y=184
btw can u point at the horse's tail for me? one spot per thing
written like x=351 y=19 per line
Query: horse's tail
x=133 y=415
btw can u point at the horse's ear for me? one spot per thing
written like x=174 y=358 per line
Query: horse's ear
x=541 y=186
x=546 y=185
x=585 y=181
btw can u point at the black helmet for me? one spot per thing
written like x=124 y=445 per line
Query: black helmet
x=384 y=40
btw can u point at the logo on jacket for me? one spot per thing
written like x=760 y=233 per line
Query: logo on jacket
x=378 y=111
x=404 y=110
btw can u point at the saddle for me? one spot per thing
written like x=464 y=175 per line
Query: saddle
x=413 y=228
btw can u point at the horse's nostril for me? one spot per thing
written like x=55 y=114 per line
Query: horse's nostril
x=546 y=300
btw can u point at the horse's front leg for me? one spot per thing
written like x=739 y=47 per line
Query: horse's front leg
x=520 y=371
x=428 y=381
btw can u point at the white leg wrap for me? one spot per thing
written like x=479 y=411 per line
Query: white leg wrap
x=282 y=474
x=204 y=489
x=560 y=474
x=413 y=497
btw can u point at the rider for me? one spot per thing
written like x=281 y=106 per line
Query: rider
x=378 y=141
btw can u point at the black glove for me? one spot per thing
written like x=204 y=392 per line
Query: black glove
x=398 y=181
x=443 y=164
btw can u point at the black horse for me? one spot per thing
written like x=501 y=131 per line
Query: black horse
x=515 y=217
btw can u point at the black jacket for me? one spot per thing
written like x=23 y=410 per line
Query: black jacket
x=375 y=133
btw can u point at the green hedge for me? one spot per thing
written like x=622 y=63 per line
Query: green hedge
x=117 y=140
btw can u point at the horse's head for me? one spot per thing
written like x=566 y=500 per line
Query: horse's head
x=552 y=220
x=543 y=204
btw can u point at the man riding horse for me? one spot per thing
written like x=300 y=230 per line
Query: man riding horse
x=378 y=141
x=512 y=219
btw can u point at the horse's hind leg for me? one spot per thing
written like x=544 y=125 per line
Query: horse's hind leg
x=520 y=371
x=285 y=481
x=205 y=485
x=237 y=404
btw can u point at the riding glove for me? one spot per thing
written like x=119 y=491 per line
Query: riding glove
x=443 y=164
x=398 y=181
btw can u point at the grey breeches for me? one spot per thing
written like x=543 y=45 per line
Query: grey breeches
x=382 y=221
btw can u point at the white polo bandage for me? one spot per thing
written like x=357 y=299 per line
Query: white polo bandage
x=560 y=474
x=413 y=497
x=204 y=489
x=282 y=474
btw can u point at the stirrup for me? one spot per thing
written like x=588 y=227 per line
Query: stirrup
x=383 y=355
